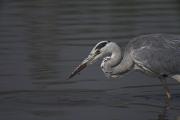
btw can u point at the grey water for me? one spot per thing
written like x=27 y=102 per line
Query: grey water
x=42 y=41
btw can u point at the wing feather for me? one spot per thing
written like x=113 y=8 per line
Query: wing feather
x=158 y=53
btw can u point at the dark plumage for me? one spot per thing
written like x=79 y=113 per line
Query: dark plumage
x=101 y=45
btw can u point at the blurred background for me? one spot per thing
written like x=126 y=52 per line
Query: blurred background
x=42 y=41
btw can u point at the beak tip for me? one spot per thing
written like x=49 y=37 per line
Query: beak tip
x=69 y=77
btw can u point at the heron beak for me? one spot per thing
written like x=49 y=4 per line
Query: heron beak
x=77 y=70
x=83 y=65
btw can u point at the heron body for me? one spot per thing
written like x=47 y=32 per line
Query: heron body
x=154 y=54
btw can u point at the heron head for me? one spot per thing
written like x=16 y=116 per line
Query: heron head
x=99 y=50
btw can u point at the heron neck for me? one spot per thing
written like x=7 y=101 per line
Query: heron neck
x=121 y=65
x=115 y=55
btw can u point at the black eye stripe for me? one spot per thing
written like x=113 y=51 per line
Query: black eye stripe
x=101 y=45
x=98 y=52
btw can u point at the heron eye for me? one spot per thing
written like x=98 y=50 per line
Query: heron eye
x=98 y=52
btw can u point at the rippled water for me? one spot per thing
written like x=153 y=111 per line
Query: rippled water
x=42 y=41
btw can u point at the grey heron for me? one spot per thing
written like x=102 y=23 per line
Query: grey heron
x=157 y=55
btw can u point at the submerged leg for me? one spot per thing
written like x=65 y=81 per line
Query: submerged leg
x=167 y=91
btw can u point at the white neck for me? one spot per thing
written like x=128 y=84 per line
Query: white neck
x=115 y=51
x=116 y=63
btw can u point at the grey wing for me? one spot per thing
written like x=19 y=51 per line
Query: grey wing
x=160 y=56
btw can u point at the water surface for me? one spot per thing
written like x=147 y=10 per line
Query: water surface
x=41 y=42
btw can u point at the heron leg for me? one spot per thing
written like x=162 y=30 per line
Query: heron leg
x=167 y=90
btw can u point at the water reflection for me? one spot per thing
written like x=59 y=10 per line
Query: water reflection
x=164 y=114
